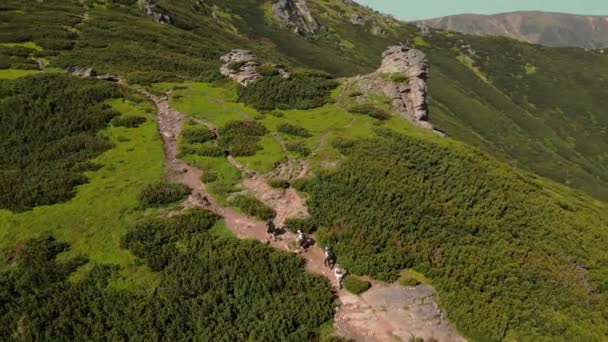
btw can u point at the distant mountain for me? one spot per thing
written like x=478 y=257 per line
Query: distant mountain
x=551 y=29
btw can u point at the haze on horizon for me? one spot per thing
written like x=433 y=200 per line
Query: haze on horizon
x=417 y=10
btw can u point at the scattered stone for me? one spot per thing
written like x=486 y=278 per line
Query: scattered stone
x=108 y=77
x=378 y=31
x=149 y=8
x=295 y=15
x=358 y=19
x=81 y=72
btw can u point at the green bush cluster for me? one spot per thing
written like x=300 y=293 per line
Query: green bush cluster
x=409 y=281
x=209 y=288
x=355 y=285
x=154 y=239
x=128 y=121
x=50 y=126
x=253 y=207
x=369 y=109
x=305 y=225
x=279 y=183
x=241 y=137
x=162 y=193
x=501 y=248
x=302 y=91
x=203 y=150
x=298 y=147
x=17 y=58
x=267 y=70
x=294 y=130
x=197 y=134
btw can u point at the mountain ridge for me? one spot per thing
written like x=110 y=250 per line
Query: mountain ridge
x=554 y=29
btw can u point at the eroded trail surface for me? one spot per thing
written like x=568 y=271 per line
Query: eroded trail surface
x=384 y=313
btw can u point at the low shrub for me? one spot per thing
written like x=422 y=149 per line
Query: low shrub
x=235 y=66
x=128 y=121
x=209 y=177
x=241 y=137
x=299 y=148
x=355 y=285
x=305 y=225
x=162 y=193
x=397 y=77
x=355 y=94
x=279 y=183
x=277 y=114
x=267 y=70
x=409 y=281
x=203 y=150
x=253 y=207
x=197 y=135
x=343 y=144
x=294 y=130
x=370 y=110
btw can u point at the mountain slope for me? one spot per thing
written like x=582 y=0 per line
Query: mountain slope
x=550 y=29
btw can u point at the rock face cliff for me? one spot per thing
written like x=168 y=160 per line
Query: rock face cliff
x=242 y=66
x=295 y=15
x=149 y=8
x=407 y=88
x=402 y=78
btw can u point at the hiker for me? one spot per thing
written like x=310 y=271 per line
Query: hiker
x=330 y=258
x=302 y=241
x=271 y=229
x=339 y=272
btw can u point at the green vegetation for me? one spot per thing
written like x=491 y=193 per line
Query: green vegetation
x=196 y=134
x=279 y=183
x=253 y=207
x=355 y=285
x=396 y=77
x=294 y=130
x=510 y=255
x=241 y=137
x=221 y=177
x=301 y=91
x=128 y=121
x=369 y=109
x=102 y=210
x=46 y=143
x=305 y=225
x=162 y=193
x=237 y=290
x=298 y=147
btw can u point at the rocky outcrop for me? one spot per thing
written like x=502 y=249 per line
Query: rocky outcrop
x=90 y=72
x=241 y=66
x=407 y=71
x=149 y=8
x=295 y=15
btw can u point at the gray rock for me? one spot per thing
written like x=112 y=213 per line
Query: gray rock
x=150 y=9
x=295 y=15
x=241 y=66
x=410 y=95
x=378 y=31
x=81 y=72
x=358 y=19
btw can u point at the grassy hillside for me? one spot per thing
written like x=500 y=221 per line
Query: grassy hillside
x=513 y=257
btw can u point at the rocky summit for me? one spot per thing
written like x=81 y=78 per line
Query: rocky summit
x=295 y=15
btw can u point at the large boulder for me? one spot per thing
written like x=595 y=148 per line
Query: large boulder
x=241 y=66
x=407 y=70
x=150 y=9
x=295 y=15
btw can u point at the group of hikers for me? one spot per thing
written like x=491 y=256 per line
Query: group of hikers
x=303 y=241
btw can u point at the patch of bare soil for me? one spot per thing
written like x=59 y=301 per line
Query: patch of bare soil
x=384 y=313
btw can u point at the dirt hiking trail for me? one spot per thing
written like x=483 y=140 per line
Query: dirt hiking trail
x=383 y=313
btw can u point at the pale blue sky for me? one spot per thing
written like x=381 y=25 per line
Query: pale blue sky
x=425 y=9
